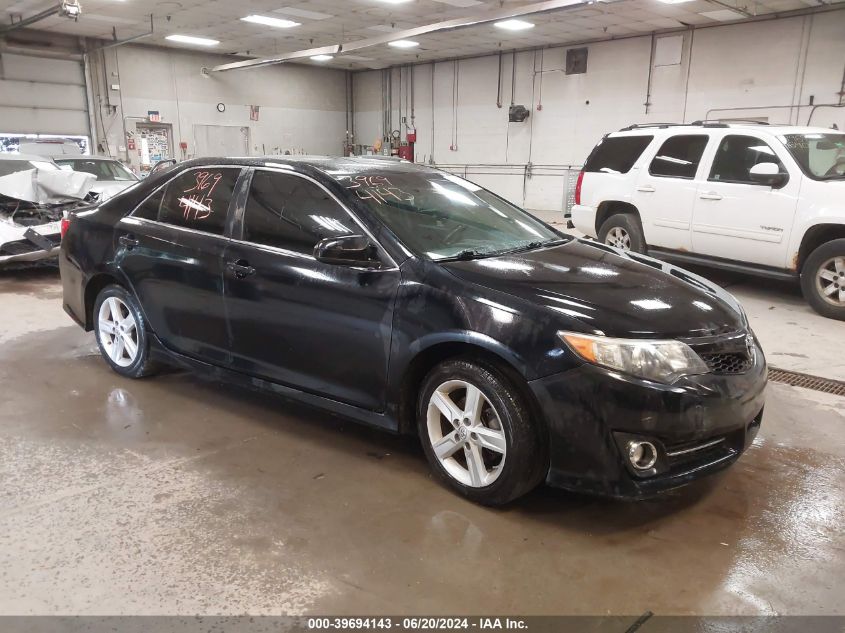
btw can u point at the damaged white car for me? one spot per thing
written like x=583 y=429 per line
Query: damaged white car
x=34 y=196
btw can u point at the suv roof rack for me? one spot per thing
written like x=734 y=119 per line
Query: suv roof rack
x=710 y=122
x=701 y=123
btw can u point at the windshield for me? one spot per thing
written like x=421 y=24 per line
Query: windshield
x=12 y=166
x=442 y=216
x=821 y=156
x=102 y=169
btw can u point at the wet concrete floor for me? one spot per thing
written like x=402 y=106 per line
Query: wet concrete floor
x=173 y=495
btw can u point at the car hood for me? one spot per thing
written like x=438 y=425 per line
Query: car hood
x=608 y=292
x=110 y=188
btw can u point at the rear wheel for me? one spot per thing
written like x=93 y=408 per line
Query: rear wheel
x=121 y=333
x=623 y=231
x=477 y=433
x=823 y=279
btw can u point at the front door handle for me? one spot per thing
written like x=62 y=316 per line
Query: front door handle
x=240 y=268
x=710 y=195
x=646 y=189
x=128 y=241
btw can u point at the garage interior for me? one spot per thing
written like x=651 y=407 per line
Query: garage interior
x=175 y=495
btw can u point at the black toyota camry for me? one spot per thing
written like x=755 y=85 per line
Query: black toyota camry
x=413 y=300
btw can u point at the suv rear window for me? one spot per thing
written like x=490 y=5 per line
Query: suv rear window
x=617 y=154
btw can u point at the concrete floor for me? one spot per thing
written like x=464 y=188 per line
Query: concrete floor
x=172 y=495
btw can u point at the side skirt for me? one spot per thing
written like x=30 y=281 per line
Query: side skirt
x=724 y=264
x=206 y=370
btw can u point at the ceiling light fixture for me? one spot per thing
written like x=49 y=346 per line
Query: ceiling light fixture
x=514 y=25
x=674 y=1
x=190 y=39
x=278 y=23
x=394 y=1
x=321 y=58
x=403 y=44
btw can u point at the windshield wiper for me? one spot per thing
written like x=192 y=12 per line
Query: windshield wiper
x=532 y=245
x=464 y=256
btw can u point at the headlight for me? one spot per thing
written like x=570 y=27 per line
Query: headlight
x=660 y=361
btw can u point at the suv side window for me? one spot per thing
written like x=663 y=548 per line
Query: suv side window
x=737 y=155
x=199 y=199
x=679 y=156
x=292 y=213
x=617 y=154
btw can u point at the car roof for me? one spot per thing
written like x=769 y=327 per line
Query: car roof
x=327 y=164
x=8 y=156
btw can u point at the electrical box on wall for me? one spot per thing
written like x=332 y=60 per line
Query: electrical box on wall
x=518 y=113
x=576 y=61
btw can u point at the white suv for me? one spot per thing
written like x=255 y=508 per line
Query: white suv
x=764 y=199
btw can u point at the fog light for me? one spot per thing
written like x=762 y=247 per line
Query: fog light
x=642 y=455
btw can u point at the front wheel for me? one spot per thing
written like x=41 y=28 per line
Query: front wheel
x=478 y=434
x=623 y=231
x=121 y=333
x=823 y=279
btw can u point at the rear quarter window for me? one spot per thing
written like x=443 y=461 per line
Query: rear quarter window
x=617 y=154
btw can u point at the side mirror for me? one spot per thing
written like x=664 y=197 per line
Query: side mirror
x=768 y=174
x=348 y=250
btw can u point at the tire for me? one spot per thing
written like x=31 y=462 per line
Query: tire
x=114 y=345
x=467 y=463
x=823 y=279
x=623 y=231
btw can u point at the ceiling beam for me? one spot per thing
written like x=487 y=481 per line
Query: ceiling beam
x=458 y=23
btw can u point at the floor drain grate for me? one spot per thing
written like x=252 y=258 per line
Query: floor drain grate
x=807 y=381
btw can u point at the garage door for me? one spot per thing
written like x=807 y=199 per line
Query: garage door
x=42 y=96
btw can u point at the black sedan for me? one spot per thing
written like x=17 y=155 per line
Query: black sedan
x=410 y=299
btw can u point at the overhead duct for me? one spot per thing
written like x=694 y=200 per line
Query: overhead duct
x=458 y=23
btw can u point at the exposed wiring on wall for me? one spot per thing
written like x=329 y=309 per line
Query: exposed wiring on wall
x=801 y=64
x=540 y=88
x=513 y=76
x=689 y=72
x=647 y=103
x=499 y=83
x=431 y=158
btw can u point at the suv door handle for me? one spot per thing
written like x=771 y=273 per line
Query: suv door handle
x=128 y=241
x=646 y=189
x=240 y=268
x=710 y=195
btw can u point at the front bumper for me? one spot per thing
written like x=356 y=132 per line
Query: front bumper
x=22 y=244
x=584 y=219
x=699 y=425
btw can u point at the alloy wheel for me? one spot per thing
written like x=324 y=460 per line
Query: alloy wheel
x=466 y=433
x=619 y=238
x=118 y=332
x=830 y=281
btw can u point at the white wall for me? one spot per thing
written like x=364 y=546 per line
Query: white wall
x=302 y=109
x=776 y=62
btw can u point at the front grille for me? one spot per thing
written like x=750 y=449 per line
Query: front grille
x=727 y=363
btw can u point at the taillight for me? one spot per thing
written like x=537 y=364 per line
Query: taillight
x=578 y=187
x=65 y=226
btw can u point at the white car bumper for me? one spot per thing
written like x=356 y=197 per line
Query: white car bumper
x=16 y=245
x=584 y=219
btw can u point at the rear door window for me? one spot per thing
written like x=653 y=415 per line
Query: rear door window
x=199 y=199
x=617 y=154
x=736 y=156
x=679 y=156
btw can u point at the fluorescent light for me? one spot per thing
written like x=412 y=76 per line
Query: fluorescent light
x=278 y=23
x=190 y=39
x=674 y=1
x=321 y=58
x=514 y=25
x=403 y=44
x=394 y=1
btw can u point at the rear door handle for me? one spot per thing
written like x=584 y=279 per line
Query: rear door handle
x=240 y=268
x=710 y=195
x=646 y=189
x=129 y=241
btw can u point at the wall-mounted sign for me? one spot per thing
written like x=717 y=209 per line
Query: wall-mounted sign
x=253 y=112
x=154 y=116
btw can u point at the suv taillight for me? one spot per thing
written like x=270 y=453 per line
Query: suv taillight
x=65 y=225
x=578 y=187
